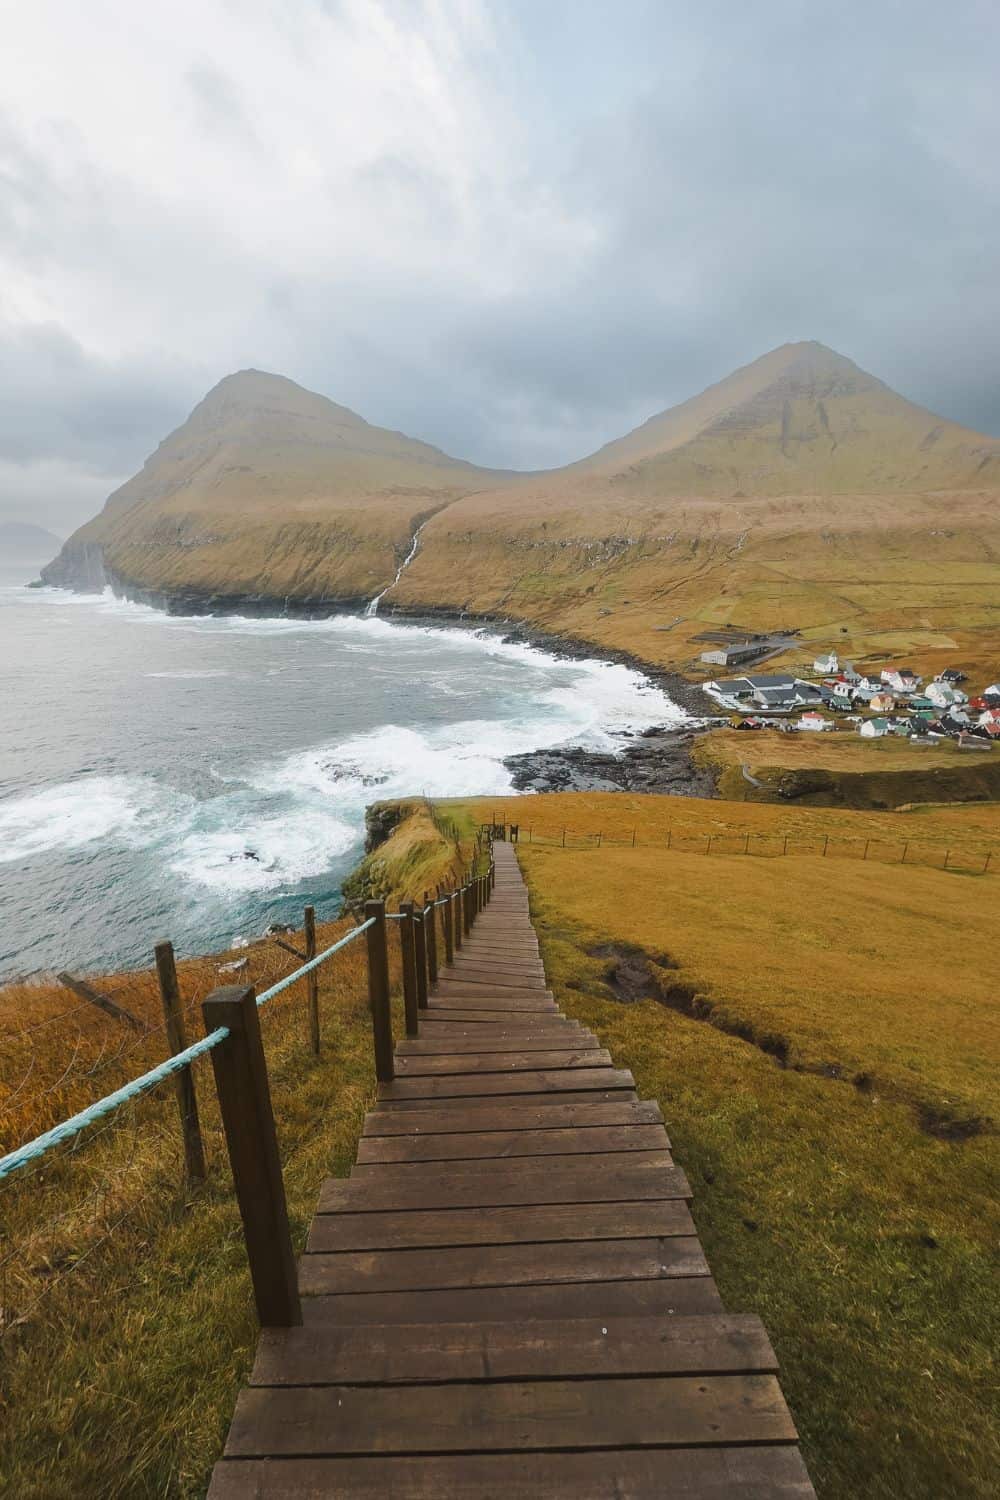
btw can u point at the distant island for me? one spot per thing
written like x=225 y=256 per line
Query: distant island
x=20 y=541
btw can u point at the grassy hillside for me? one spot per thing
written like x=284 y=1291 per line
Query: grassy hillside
x=798 y=492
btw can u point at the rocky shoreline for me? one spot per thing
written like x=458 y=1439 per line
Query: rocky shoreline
x=657 y=760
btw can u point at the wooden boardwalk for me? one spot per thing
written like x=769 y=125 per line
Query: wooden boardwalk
x=508 y=1297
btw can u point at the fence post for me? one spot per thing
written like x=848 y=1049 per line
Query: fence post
x=432 y=939
x=947 y=852
x=865 y=855
x=826 y=844
x=248 y=1120
x=420 y=956
x=670 y=834
x=312 y=980
x=905 y=847
x=187 y=1101
x=987 y=864
x=599 y=838
x=564 y=838
x=633 y=838
x=746 y=844
x=466 y=910
x=784 y=847
x=378 y=991
x=406 y=942
x=456 y=916
x=449 y=933
x=708 y=846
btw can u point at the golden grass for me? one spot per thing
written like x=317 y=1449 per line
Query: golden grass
x=127 y=1315
x=844 y=769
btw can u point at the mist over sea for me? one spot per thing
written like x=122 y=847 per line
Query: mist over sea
x=201 y=778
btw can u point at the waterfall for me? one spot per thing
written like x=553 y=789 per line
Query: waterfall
x=371 y=608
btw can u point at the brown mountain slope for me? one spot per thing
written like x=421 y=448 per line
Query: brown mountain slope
x=268 y=489
x=799 y=491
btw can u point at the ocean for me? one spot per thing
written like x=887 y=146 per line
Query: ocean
x=201 y=778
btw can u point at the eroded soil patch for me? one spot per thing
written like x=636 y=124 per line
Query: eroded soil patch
x=632 y=975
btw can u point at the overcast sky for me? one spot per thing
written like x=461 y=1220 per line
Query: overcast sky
x=514 y=228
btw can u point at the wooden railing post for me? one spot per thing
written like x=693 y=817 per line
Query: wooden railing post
x=420 y=953
x=187 y=1101
x=406 y=927
x=312 y=980
x=447 y=913
x=466 y=910
x=248 y=1120
x=378 y=991
x=430 y=911
x=456 y=916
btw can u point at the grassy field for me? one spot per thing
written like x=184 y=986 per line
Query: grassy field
x=127 y=1318
x=834 y=1118
x=841 y=769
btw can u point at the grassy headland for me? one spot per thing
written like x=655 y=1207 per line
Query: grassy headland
x=843 y=770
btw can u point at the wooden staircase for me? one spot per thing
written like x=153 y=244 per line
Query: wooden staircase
x=508 y=1297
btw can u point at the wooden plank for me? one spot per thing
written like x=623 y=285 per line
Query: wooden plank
x=463 y=1266
x=489 y=997
x=625 y=1181
x=646 y=1411
x=534 y=1022
x=87 y=992
x=489 y=1115
x=513 y=996
x=501 y=1145
x=534 y=1101
x=468 y=1063
x=536 y=1224
x=607 y=1161
x=542 y=1082
x=671 y=1297
x=738 y=1473
x=525 y=1041
x=722 y=1343
x=510 y=1003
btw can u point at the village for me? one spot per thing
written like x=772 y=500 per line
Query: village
x=875 y=702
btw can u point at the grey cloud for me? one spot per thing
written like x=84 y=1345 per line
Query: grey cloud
x=739 y=176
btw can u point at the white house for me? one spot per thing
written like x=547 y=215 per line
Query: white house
x=826 y=665
x=813 y=721
x=843 y=690
x=902 y=679
x=943 y=696
x=874 y=729
x=869 y=682
x=992 y=691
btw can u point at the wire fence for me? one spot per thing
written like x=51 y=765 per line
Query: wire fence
x=97 y=1160
x=766 y=845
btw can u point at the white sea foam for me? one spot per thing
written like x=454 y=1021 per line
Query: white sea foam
x=262 y=852
x=125 y=809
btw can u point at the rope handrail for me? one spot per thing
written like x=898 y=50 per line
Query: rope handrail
x=31 y=1150
x=314 y=963
x=94 y=1112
